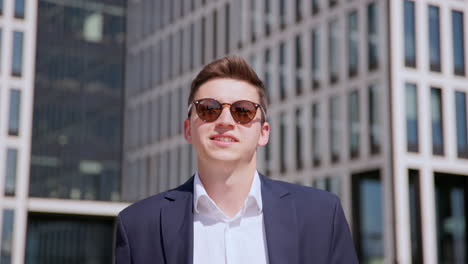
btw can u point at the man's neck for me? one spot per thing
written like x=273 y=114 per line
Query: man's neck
x=227 y=186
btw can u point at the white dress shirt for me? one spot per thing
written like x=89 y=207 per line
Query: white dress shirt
x=223 y=240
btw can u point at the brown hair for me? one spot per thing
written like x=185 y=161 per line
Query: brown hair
x=233 y=67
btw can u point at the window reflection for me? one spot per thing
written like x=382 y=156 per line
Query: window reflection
x=437 y=122
x=11 y=171
x=315 y=59
x=354 y=124
x=458 y=43
x=316 y=128
x=335 y=128
x=7 y=236
x=17 y=59
x=367 y=217
x=410 y=34
x=451 y=204
x=372 y=36
x=14 y=113
x=411 y=105
x=434 y=39
x=333 y=51
x=461 y=124
x=353 y=45
x=299 y=129
x=299 y=64
x=415 y=217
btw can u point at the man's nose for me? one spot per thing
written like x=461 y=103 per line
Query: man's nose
x=225 y=118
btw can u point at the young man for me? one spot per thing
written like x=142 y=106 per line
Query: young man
x=228 y=212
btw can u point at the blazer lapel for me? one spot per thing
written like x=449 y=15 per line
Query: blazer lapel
x=280 y=220
x=177 y=225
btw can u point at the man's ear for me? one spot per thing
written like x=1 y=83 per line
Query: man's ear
x=187 y=131
x=264 y=134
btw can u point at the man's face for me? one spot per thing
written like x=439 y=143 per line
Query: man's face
x=224 y=139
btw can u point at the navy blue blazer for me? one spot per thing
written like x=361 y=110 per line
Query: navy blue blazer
x=302 y=225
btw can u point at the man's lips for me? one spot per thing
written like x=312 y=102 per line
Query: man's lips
x=224 y=138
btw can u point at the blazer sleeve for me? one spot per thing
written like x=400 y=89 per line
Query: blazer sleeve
x=122 y=247
x=342 y=246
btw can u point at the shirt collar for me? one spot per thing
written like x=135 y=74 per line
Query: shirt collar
x=202 y=199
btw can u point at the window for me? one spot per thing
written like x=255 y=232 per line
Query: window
x=240 y=23
x=333 y=2
x=268 y=17
x=282 y=14
x=451 y=203
x=367 y=216
x=253 y=21
x=458 y=43
x=333 y=51
x=411 y=103
x=374 y=119
x=227 y=32
x=329 y=184
x=434 y=39
x=315 y=6
x=19 y=8
x=298 y=71
x=1 y=7
x=353 y=44
x=17 y=59
x=372 y=37
x=415 y=216
x=215 y=34
x=316 y=128
x=315 y=59
x=14 y=113
x=437 y=122
x=267 y=160
x=298 y=11
x=282 y=150
x=267 y=73
x=192 y=46
x=335 y=129
x=282 y=70
x=410 y=34
x=7 y=235
x=354 y=126
x=203 y=40
x=299 y=124
x=461 y=123
x=11 y=171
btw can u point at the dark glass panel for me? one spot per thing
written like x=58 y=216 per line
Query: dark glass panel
x=299 y=140
x=19 y=8
x=415 y=217
x=458 y=43
x=368 y=217
x=282 y=143
x=461 y=123
x=372 y=37
x=354 y=124
x=7 y=236
x=283 y=69
x=374 y=119
x=353 y=44
x=316 y=128
x=410 y=34
x=17 y=58
x=77 y=119
x=14 y=113
x=298 y=64
x=437 y=124
x=11 y=171
x=333 y=51
x=434 y=39
x=451 y=206
x=69 y=239
x=411 y=99
x=315 y=42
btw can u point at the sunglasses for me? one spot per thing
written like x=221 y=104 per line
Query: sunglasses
x=242 y=111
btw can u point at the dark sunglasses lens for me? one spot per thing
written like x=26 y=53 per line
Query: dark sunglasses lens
x=243 y=111
x=208 y=110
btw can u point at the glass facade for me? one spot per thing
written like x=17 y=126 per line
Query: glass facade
x=437 y=126
x=412 y=127
x=67 y=239
x=434 y=39
x=458 y=43
x=461 y=124
x=7 y=236
x=76 y=135
x=410 y=34
x=367 y=216
x=451 y=206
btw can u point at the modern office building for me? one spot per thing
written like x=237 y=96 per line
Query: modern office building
x=61 y=90
x=368 y=99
